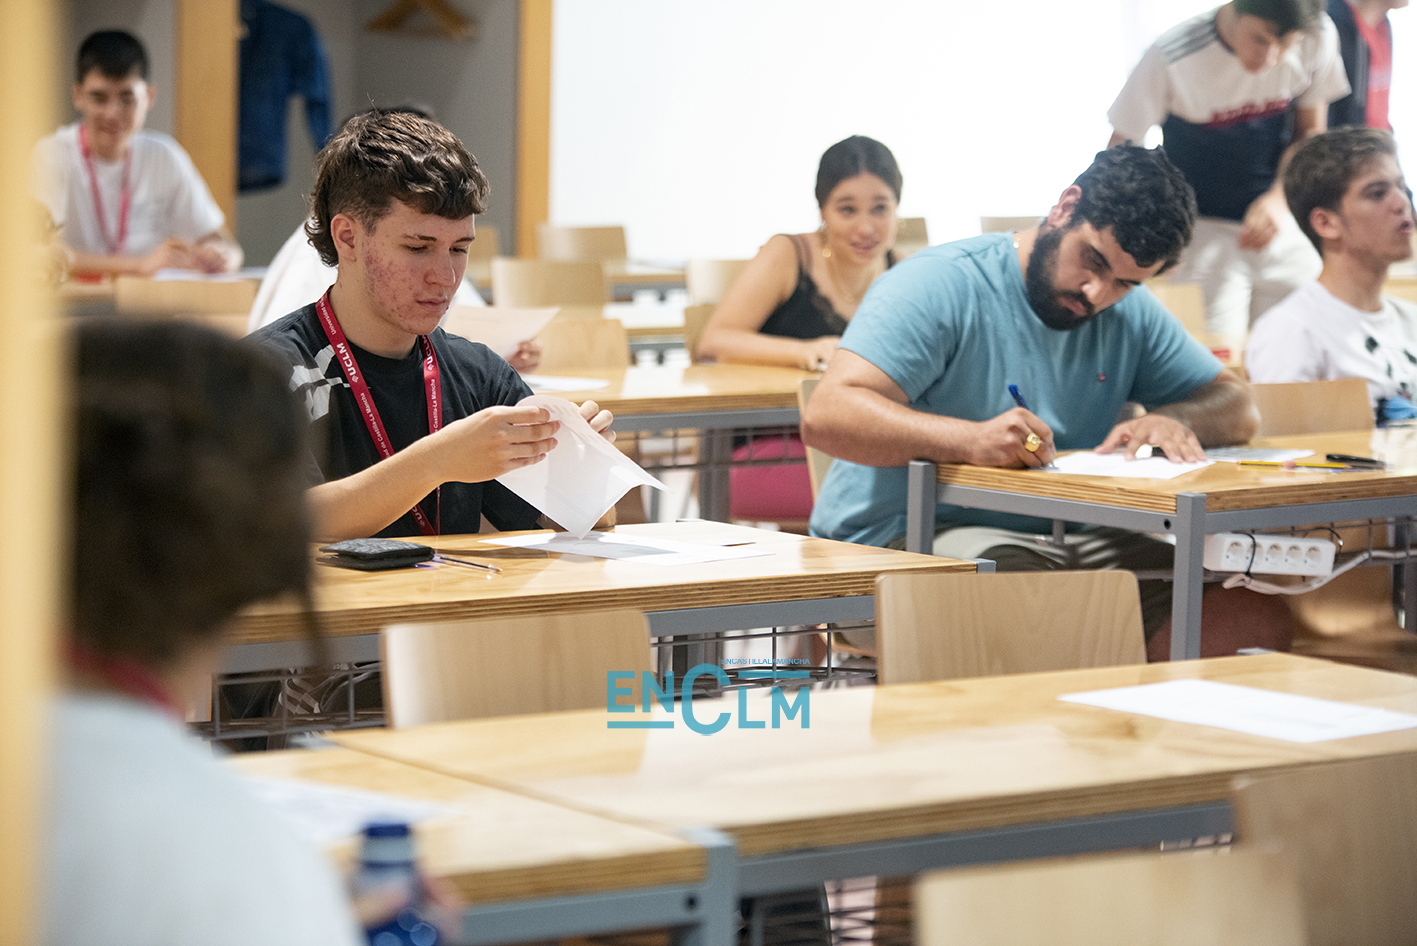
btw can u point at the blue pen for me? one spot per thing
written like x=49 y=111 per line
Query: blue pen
x=1018 y=398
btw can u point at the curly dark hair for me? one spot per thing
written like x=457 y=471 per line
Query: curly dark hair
x=1143 y=198
x=1286 y=15
x=852 y=156
x=382 y=156
x=1321 y=169
x=189 y=487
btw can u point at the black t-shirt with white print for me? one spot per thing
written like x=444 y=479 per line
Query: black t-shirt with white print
x=473 y=378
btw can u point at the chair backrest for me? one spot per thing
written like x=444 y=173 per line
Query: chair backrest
x=134 y=295
x=1005 y=224
x=575 y=244
x=708 y=279
x=1197 y=898
x=529 y=283
x=571 y=343
x=939 y=627
x=487 y=245
x=695 y=318
x=817 y=462
x=1313 y=407
x=1183 y=300
x=507 y=666
x=1402 y=288
x=911 y=236
x=1351 y=829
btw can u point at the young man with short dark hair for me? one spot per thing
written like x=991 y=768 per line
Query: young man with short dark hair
x=1233 y=90
x=1348 y=193
x=411 y=424
x=126 y=200
x=925 y=369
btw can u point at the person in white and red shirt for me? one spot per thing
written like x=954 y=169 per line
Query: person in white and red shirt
x=1365 y=37
x=1233 y=91
x=1348 y=193
x=126 y=200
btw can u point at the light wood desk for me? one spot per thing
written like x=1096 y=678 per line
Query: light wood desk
x=1219 y=498
x=528 y=869
x=715 y=399
x=804 y=581
x=897 y=779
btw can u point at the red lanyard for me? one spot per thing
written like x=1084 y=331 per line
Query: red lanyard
x=125 y=200
x=360 y=389
x=122 y=674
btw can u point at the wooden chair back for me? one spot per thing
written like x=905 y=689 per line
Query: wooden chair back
x=1195 y=898
x=134 y=295
x=1351 y=829
x=579 y=244
x=571 y=343
x=1005 y=224
x=911 y=236
x=1185 y=301
x=1313 y=407
x=817 y=462
x=1403 y=288
x=695 y=318
x=708 y=279
x=486 y=245
x=939 y=627
x=507 y=666
x=529 y=283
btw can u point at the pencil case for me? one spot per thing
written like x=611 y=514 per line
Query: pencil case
x=375 y=555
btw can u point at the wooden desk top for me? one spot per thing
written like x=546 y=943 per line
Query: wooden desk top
x=497 y=845
x=905 y=760
x=533 y=581
x=1226 y=485
x=666 y=389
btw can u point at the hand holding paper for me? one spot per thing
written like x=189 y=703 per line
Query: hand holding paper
x=582 y=476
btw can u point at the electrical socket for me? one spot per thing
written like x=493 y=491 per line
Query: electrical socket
x=1273 y=554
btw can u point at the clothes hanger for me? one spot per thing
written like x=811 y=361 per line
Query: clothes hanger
x=448 y=21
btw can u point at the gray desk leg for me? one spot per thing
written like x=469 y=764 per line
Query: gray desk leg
x=718 y=908
x=1406 y=573
x=717 y=453
x=1186 y=589
x=921 y=491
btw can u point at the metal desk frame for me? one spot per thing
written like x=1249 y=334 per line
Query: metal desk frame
x=1190 y=524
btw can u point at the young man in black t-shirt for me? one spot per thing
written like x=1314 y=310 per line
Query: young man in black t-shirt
x=395 y=197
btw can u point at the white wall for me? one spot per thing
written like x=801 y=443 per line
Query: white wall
x=698 y=124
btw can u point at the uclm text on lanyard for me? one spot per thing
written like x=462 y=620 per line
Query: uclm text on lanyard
x=360 y=388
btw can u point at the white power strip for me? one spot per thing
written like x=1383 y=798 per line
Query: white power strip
x=1268 y=554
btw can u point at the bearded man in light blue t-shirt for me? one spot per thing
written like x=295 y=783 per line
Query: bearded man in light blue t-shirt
x=926 y=363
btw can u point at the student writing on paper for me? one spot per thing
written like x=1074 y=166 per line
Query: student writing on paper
x=411 y=425
x=924 y=371
x=189 y=505
x=1348 y=193
x=126 y=200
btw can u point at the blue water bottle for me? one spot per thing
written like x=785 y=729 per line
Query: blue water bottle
x=387 y=866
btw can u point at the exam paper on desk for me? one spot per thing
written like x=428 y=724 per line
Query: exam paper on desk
x=1087 y=463
x=325 y=813
x=542 y=383
x=581 y=477
x=1250 y=710
x=636 y=548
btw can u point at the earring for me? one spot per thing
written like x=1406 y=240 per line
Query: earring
x=822 y=232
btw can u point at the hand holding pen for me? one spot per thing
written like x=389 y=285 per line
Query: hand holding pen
x=1015 y=438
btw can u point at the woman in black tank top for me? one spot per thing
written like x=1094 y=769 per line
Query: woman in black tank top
x=793 y=300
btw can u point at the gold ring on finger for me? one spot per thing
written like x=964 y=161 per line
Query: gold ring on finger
x=1032 y=442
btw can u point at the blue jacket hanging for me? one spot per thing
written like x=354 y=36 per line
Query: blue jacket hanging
x=281 y=56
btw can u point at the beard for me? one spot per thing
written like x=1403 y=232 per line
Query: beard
x=1047 y=302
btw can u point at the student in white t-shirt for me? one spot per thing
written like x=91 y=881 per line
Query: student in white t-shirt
x=125 y=200
x=1233 y=91
x=1349 y=196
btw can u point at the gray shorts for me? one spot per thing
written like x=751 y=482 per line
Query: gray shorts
x=1094 y=547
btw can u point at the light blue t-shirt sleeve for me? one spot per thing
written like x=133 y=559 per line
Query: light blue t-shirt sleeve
x=1171 y=364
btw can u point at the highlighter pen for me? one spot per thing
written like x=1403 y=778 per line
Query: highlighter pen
x=1018 y=398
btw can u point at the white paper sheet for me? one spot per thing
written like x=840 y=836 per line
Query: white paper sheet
x=1087 y=463
x=325 y=813
x=1236 y=454
x=636 y=548
x=543 y=383
x=581 y=478
x=256 y=273
x=1247 y=709
x=494 y=328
